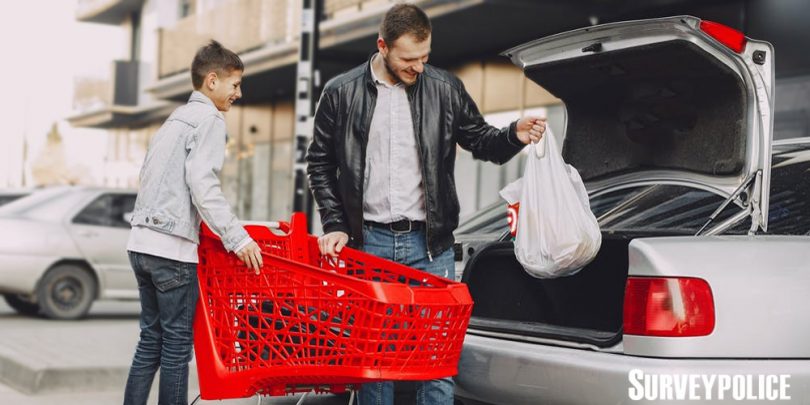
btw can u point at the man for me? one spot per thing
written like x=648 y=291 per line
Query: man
x=381 y=164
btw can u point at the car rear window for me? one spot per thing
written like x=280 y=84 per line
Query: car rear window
x=661 y=208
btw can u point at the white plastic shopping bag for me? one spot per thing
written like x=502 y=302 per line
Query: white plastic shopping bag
x=557 y=234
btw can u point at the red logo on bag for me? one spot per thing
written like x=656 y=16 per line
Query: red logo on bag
x=512 y=217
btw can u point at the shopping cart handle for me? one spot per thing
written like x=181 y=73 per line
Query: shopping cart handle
x=283 y=226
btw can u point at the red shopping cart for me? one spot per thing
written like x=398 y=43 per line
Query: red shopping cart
x=309 y=322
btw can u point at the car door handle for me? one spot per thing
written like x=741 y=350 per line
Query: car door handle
x=88 y=234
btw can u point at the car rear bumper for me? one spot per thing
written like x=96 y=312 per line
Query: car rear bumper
x=19 y=274
x=501 y=371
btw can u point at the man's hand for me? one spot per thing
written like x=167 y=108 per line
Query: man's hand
x=251 y=255
x=531 y=129
x=332 y=243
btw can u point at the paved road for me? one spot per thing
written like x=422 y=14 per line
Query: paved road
x=83 y=362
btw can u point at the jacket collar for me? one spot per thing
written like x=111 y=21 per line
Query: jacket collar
x=368 y=77
x=374 y=77
x=199 y=97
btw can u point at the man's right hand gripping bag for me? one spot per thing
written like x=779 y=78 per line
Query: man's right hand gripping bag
x=557 y=234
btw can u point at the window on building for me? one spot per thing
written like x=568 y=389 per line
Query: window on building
x=187 y=7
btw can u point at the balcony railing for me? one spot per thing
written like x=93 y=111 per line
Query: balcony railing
x=91 y=94
x=106 y=11
x=339 y=8
x=118 y=88
x=242 y=26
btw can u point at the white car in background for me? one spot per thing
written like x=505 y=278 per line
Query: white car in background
x=63 y=248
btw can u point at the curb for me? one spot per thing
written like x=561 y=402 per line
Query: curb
x=47 y=380
x=34 y=381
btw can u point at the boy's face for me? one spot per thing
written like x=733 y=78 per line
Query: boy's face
x=225 y=89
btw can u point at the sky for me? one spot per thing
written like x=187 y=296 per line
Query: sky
x=44 y=49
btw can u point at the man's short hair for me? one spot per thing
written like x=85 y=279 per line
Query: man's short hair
x=402 y=19
x=213 y=57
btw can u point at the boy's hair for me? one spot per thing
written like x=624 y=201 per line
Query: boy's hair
x=404 y=19
x=213 y=57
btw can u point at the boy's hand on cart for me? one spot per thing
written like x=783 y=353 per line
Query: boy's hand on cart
x=333 y=242
x=251 y=255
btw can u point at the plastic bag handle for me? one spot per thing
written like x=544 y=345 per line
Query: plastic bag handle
x=540 y=146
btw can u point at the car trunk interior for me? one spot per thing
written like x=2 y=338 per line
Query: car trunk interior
x=586 y=306
x=668 y=105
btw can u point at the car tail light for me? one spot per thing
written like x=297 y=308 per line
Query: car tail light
x=511 y=217
x=668 y=306
x=733 y=39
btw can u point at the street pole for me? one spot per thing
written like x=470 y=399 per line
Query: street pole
x=23 y=183
x=307 y=84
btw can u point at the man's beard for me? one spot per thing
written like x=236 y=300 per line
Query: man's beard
x=394 y=74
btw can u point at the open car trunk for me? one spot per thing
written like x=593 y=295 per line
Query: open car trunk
x=653 y=102
x=664 y=106
x=585 y=307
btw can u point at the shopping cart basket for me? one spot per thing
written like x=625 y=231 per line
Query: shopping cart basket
x=308 y=322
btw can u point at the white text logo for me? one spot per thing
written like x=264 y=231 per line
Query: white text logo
x=698 y=387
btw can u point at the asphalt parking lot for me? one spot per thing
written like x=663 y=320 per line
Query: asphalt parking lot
x=85 y=362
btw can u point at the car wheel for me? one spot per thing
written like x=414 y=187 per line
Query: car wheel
x=66 y=292
x=21 y=305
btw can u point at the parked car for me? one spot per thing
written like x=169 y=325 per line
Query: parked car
x=62 y=248
x=9 y=195
x=669 y=124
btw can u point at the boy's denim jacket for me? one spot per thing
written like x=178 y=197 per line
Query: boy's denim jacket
x=179 y=180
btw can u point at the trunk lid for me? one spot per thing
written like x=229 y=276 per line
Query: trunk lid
x=662 y=101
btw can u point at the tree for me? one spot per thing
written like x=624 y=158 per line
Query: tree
x=50 y=167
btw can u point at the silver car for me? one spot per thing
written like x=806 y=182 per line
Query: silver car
x=702 y=278
x=62 y=248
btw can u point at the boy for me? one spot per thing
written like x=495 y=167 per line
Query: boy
x=179 y=188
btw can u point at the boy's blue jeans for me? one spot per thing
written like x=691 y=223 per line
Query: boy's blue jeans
x=168 y=291
x=410 y=249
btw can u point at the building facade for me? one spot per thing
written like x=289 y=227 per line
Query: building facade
x=163 y=36
x=257 y=176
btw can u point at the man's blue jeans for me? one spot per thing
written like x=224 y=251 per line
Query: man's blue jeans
x=410 y=249
x=168 y=291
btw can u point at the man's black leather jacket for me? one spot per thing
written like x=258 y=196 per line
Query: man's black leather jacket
x=443 y=115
